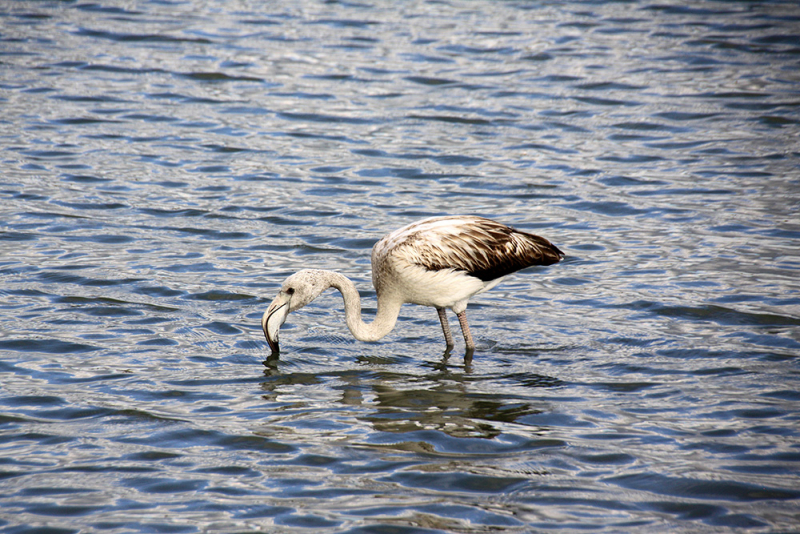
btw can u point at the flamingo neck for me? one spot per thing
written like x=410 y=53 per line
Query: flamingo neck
x=385 y=318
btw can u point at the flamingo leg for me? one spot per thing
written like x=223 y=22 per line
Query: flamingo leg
x=462 y=320
x=448 y=337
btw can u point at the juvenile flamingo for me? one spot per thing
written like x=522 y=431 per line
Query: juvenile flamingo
x=440 y=262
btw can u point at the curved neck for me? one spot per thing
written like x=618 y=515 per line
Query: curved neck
x=385 y=319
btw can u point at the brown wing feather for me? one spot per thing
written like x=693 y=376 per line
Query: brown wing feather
x=480 y=247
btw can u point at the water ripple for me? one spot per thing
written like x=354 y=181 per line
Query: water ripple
x=167 y=165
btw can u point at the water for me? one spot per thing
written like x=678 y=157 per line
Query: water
x=167 y=164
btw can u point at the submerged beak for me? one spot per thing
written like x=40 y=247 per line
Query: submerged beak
x=273 y=319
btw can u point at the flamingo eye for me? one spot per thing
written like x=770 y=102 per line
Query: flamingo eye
x=290 y=291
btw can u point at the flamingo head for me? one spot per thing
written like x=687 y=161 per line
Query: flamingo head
x=296 y=291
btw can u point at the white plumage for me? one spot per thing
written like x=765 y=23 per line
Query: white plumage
x=440 y=262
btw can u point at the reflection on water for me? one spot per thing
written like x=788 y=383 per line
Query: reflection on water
x=399 y=403
x=167 y=165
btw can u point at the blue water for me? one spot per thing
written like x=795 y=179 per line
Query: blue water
x=165 y=165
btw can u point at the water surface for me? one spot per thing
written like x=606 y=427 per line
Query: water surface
x=167 y=164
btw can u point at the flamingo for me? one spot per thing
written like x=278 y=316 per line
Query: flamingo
x=440 y=262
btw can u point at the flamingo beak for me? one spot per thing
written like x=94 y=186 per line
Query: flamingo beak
x=273 y=319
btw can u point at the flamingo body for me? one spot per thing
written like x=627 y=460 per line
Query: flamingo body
x=440 y=262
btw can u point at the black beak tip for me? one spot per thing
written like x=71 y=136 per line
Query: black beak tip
x=273 y=346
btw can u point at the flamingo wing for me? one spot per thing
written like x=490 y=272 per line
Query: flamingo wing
x=479 y=247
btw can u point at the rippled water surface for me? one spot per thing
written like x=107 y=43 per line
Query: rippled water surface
x=166 y=164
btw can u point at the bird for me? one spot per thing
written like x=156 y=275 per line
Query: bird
x=440 y=262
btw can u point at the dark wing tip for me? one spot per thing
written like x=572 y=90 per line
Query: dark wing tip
x=515 y=251
x=550 y=253
x=482 y=248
